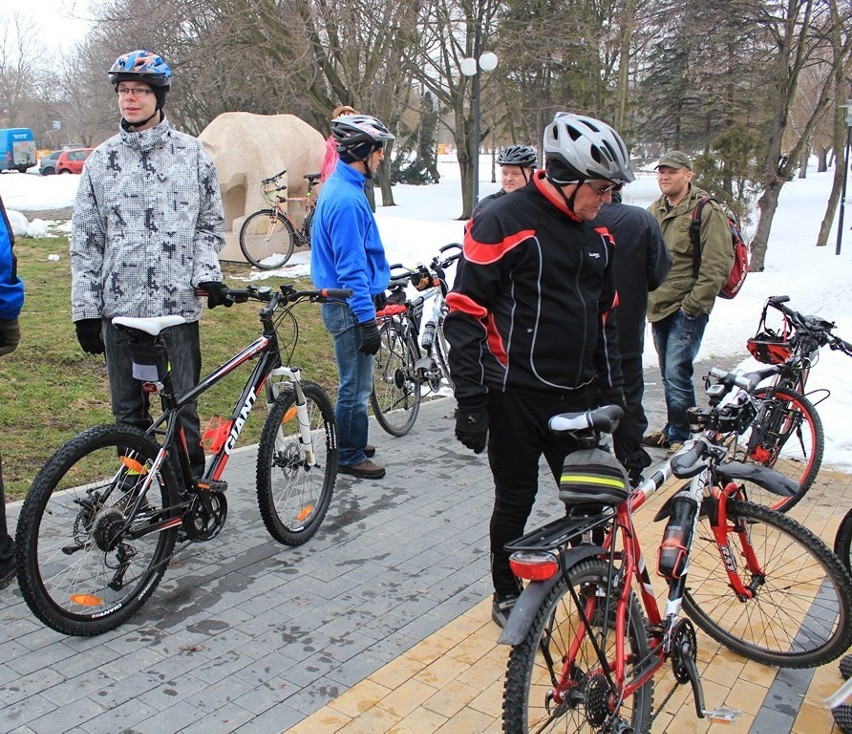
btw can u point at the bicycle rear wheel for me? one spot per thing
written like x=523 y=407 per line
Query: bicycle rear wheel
x=309 y=221
x=799 y=615
x=267 y=239
x=294 y=494
x=843 y=542
x=396 y=389
x=790 y=441
x=84 y=564
x=541 y=667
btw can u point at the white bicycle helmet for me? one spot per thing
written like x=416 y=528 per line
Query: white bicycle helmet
x=579 y=148
x=351 y=131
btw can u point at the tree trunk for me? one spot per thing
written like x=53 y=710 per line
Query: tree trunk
x=767 y=203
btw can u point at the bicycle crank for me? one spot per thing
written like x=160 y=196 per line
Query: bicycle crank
x=205 y=517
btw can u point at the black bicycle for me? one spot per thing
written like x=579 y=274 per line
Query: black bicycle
x=99 y=525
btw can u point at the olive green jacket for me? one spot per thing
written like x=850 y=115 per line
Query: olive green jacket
x=682 y=290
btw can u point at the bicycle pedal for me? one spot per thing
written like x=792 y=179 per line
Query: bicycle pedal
x=211 y=485
x=722 y=715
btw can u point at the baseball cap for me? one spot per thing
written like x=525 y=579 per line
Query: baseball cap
x=675 y=159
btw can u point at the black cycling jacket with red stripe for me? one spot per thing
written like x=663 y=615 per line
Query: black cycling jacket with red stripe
x=531 y=309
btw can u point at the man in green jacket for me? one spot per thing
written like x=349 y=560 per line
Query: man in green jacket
x=678 y=310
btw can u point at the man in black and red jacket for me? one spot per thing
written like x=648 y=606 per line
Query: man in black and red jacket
x=531 y=325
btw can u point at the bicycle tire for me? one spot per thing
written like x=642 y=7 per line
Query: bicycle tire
x=529 y=679
x=441 y=350
x=396 y=389
x=800 y=615
x=267 y=239
x=843 y=541
x=294 y=497
x=70 y=539
x=792 y=442
x=306 y=228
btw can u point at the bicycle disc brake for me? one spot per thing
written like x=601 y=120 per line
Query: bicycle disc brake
x=205 y=517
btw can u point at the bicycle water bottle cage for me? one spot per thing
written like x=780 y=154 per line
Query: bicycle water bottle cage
x=592 y=476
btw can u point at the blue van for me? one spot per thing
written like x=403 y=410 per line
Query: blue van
x=17 y=149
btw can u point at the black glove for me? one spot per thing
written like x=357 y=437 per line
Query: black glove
x=89 y=335
x=10 y=335
x=217 y=294
x=612 y=396
x=380 y=301
x=369 y=337
x=472 y=425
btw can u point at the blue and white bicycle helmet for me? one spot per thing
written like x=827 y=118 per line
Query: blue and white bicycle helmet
x=141 y=66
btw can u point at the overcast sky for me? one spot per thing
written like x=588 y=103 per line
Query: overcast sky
x=59 y=24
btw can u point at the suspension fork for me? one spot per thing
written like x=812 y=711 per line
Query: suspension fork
x=721 y=528
x=293 y=376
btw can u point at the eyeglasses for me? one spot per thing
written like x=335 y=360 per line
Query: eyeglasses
x=135 y=91
x=603 y=191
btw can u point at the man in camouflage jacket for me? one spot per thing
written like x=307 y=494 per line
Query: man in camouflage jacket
x=147 y=229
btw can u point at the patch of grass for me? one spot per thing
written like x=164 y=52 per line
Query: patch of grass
x=50 y=389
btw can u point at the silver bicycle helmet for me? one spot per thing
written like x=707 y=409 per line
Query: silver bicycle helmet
x=578 y=148
x=518 y=155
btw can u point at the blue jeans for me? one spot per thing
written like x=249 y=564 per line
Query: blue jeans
x=355 y=373
x=130 y=404
x=677 y=339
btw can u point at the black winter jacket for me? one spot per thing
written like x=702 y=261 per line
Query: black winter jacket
x=531 y=308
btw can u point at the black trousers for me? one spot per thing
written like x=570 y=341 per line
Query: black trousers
x=627 y=439
x=518 y=436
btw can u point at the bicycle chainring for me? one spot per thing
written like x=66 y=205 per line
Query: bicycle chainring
x=683 y=636
x=205 y=517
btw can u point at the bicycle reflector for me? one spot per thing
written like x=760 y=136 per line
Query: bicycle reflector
x=534 y=565
x=769 y=348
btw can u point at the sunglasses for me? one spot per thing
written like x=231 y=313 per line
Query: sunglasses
x=602 y=191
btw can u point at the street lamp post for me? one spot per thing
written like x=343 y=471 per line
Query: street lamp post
x=471 y=67
x=848 y=107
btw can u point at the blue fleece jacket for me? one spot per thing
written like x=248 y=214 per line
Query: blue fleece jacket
x=346 y=250
x=11 y=286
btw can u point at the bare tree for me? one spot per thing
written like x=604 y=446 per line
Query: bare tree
x=18 y=67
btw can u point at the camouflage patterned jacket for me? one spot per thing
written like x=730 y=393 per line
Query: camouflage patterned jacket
x=147 y=226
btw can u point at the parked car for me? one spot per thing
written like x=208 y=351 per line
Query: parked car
x=17 y=149
x=47 y=166
x=71 y=161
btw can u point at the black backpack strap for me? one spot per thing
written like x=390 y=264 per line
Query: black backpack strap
x=695 y=234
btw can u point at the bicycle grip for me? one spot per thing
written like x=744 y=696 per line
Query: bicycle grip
x=687 y=462
x=336 y=292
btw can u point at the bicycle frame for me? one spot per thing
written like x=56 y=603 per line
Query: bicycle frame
x=277 y=199
x=665 y=625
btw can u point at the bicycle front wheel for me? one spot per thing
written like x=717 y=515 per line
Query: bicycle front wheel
x=86 y=560
x=788 y=439
x=798 y=615
x=309 y=220
x=549 y=689
x=441 y=351
x=267 y=239
x=295 y=484
x=396 y=389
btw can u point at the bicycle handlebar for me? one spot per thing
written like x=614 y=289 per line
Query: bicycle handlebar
x=286 y=293
x=273 y=179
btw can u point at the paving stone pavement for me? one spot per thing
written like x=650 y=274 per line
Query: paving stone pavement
x=245 y=635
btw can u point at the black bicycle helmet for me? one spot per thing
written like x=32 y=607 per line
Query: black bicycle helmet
x=141 y=66
x=352 y=131
x=524 y=156
x=579 y=148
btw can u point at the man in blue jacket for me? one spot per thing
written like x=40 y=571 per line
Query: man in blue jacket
x=11 y=301
x=347 y=252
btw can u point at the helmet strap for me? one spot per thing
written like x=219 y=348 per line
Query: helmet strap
x=569 y=200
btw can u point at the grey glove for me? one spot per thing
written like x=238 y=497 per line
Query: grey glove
x=370 y=340
x=10 y=335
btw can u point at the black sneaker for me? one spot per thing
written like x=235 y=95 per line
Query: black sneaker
x=7 y=572
x=501 y=607
x=369 y=451
x=657 y=440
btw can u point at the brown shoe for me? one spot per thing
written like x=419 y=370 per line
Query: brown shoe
x=369 y=451
x=365 y=470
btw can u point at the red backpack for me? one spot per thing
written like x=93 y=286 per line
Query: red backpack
x=739 y=269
